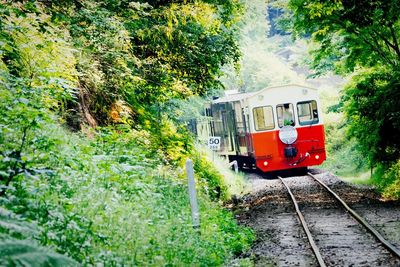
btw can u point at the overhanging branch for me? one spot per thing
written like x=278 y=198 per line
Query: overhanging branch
x=396 y=43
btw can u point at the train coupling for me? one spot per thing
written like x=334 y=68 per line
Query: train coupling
x=290 y=152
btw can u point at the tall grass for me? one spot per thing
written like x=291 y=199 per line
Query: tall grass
x=234 y=183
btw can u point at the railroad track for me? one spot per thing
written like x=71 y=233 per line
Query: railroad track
x=317 y=252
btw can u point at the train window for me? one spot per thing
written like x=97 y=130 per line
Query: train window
x=263 y=118
x=308 y=112
x=285 y=114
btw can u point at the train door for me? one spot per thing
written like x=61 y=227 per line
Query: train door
x=223 y=132
x=241 y=142
x=223 y=126
x=228 y=119
x=249 y=141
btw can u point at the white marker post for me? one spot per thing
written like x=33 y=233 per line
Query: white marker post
x=192 y=194
x=235 y=166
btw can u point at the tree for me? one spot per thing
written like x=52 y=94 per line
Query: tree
x=372 y=109
x=350 y=34
x=259 y=65
x=362 y=37
x=143 y=54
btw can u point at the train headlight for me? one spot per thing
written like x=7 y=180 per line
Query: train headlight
x=265 y=163
x=288 y=135
x=316 y=157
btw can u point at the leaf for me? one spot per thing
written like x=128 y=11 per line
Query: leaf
x=23 y=253
x=23 y=100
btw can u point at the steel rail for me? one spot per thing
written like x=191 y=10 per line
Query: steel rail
x=305 y=227
x=371 y=229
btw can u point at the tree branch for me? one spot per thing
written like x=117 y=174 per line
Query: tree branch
x=24 y=133
x=376 y=47
x=387 y=41
x=396 y=42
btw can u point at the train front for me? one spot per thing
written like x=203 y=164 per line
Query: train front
x=287 y=130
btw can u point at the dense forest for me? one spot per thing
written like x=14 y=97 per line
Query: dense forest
x=91 y=143
x=94 y=98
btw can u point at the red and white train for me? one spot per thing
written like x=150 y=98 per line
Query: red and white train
x=277 y=128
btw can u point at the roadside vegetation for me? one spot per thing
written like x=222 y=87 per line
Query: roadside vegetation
x=344 y=157
x=91 y=146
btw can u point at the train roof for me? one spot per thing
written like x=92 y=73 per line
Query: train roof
x=233 y=97
x=240 y=96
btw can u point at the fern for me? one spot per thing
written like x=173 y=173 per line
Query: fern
x=11 y=225
x=26 y=253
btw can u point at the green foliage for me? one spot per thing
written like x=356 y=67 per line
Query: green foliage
x=21 y=115
x=214 y=176
x=22 y=253
x=146 y=53
x=387 y=180
x=360 y=36
x=17 y=247
x=113 y=196
x=106 y=202
x=391 y=182
x=215 y=187
x=345 y=157
x=260 y=52
x=350 y=34
x=373 y=111
x=124 y=57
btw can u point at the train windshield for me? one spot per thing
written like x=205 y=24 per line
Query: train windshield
x=263 y=118
x=285 y=114
x=308 y=112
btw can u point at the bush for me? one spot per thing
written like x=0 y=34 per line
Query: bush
x=387 y=179
x=344 y=156
x=17 y=248
x=220 y=182
x=110 y=200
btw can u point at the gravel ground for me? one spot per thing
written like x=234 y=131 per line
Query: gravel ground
x=343 y=242
x=385 y=217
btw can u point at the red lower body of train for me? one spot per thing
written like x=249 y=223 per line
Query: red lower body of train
x=270 y=154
